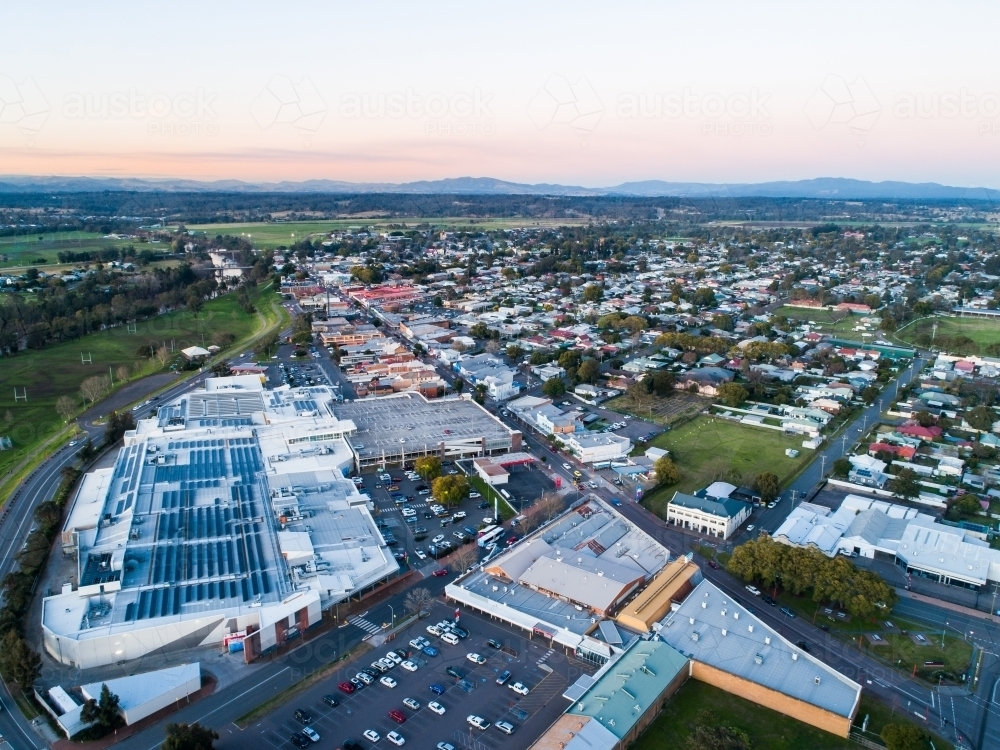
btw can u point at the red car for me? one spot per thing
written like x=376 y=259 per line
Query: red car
x=439 y=572
x=346 y=687
x=512 y=540
x=713 y=564
x=397 y=716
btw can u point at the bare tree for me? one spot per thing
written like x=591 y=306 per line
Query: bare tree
x=548 y=506
x=123 y=373
x=464 y=558
x=95 y=387
x=163 y=356
x=493 y=346
x=417 y=600
x=65 y=407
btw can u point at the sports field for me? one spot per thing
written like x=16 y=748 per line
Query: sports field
x=709 y=448
x=24 y=251
x=275 y=234
x=57 y=370
x=954 y=335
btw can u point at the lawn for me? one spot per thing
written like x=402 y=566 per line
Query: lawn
x=956 y=335
x=676 y=407
x=709 y=448
x=57 y=370
x=766 y=728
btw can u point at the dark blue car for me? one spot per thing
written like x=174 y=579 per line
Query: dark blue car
x=437 y=689
x=430 y=651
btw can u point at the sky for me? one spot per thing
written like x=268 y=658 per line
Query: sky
x=591 y=94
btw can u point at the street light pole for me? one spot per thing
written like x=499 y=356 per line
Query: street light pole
x=393 y=614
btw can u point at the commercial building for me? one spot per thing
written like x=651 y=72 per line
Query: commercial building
x=563 y=581
x=915 y=541
x=405 y=426
x=701 y=512
x=227 y=514
x=591 y=447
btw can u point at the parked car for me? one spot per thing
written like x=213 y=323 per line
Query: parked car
x=475 y=658
x=519 y=688
x=412 y=704
x=346 y=687
x=396 y=739
x=436 y=708
x=331 y=700
x=311 y=733
x=454 y=672
x=409 y=666
x=753 y=590
x=503 y=677
x=787 y=612
x=388 y=682
x=397 y=716
x=478 y=722
x=437 y=689
x=494 y=644
x=505 y=726
x=299 y=740
x=371 y=735
x=430 y=651
x=302 y=716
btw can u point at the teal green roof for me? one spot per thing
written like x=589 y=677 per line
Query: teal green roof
x=631 y=685
x=722 y=507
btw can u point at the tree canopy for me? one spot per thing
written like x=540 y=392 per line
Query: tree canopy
x=450 y=489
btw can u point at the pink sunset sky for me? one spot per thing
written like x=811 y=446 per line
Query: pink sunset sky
x=589 y=94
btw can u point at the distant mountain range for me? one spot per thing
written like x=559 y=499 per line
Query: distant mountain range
x=830 y=188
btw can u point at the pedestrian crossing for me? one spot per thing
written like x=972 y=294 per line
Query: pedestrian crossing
x=545 y=656
x=365 y=625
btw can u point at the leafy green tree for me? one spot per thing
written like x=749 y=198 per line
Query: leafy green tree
x=450 y=489
x=666 y=471
x=18 y=661
x=981 y=418
x=103 y=712
x=723 y=322
x=118 y=424
x=718 y=737
x=189 y=737
x=592 y=293
x=925 y=418
x=905 y=737
x=514 y=351
x=732 y=394
x=554 y=387
x=870 y=394
x=767 y=485
x=589 y=369
x=428 y=467
x=479 y=331
x=540 y=357
x=842 y=467
x=905 y=485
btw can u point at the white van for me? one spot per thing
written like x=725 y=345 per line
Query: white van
x=450 y=638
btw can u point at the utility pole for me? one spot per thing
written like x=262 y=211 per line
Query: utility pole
x=843 y=445
x=822 y=459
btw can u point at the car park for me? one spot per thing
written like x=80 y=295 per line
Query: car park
x=388 y=682
x=505 y=726
x=478 y=722
x=436 y=708
x=397 y=716
x=311 y=733
x=503 y=677
x=371 y=735
x=519 y=688
x=412 y=704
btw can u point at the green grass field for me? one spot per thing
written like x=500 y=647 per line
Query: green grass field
x=707 y=448
x=20 y=252
x=955 y=335
x=271 y=235
x=827 y=321
x=58 y=371
x=767 y=729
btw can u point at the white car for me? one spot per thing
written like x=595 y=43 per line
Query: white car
x=489 y=521
x=388 y=682
x=445 y=746
x=310 y=733
x=753 y=590
x=409 y=666
x=396 y=739
x=365 y=678
x=459 y=514
x=421 y=555
x=751 y=527
x=474 y=494
x=438 y=539
x=517 y=687
x=371 y=735
x=478 y=722
x=419 y=642
x=567 y=467
x=393 y=657
x=412 y=704
x=505 y=726
x=434 y=630
x=409 y=512
x=475 y=658
x=436 y=708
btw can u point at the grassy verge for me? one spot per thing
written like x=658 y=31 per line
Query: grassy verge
x=709 y=448
x=57 y=370
x=900 y=651
x=300 y=687
x=880 y=714
x=488 y=493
